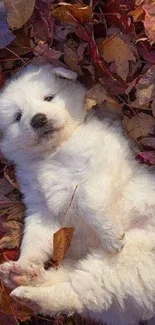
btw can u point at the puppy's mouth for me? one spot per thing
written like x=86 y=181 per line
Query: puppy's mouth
x=48 y=132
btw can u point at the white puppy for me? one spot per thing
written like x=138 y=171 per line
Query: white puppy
x=56 y=147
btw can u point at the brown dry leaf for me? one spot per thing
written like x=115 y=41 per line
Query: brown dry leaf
x=72 y=60
x=137 y=14
x=11 y=225
x=18 y=12
x=139 y=126
x=145 y=88
x=61 y=243
x=148 y=142
x=96 y=95
x=13 y=211
x=71 y=13
x=19 y=46
x=12 y=239
x=11 y=307
x=115 y=49
x=5 y=186
x=9 y=173
x=43 y=50
x=149 y=21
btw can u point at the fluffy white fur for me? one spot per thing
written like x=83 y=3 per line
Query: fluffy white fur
x=105 y=276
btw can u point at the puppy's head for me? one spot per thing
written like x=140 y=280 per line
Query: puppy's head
x=39 y=109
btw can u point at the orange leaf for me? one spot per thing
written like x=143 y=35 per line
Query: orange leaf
x=61 y=243
x=137 y=14
x=72 y=13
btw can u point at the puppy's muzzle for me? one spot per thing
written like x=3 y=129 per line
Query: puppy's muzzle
x=39 y=120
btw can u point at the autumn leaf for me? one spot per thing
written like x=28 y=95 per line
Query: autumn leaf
x=115 y=49
x=139 y=126
x=13 y=231
x=148 y=157
x=18 y=12
x=41 y=17
x=6 y=36
x=9 y=173
x=137 y=14
x=72 y=60
x=72 y=13
x=11 y=307
x=61 y=243
x=10 y=255
x=11 y=225
x=116 y=15
x=145 y=88
x=149 y=21
x=96 y=95
x=5 y=186
x=47 y=53
x=80 y=50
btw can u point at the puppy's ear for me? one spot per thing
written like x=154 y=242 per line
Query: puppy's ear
x=64 y=73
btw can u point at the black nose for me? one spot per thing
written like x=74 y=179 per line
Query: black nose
x=38 y=120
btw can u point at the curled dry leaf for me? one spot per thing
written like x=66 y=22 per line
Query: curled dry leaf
x=96 y=95
x=9 y=173
x=42 y=22
x=137 y=14
x=148 y=142
x=139 y=126
x=115 y=49
x=46 y=52
x=5 y=186
x=11 y=225
x=72 y=60
x=13 y=233
x=145 y=88
x=72 y=13
x=80 y=50
x=18 y=12
x=61 y=31
x=61 y=243
x=149 y=20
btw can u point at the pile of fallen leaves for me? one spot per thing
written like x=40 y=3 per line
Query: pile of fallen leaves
x=111 y=46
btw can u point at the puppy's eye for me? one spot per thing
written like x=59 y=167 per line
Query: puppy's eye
x=48 y=98
x=18 y=117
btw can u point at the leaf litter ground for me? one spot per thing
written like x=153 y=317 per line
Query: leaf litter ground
x=111 y=46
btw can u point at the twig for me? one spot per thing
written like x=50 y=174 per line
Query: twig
x=125 y=103
x=66 y=215
x=43 y=318
x=13 y=314
x=15 y=54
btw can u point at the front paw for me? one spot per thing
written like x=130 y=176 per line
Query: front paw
x=26 y=296
x=114 y=244
x=14 y=274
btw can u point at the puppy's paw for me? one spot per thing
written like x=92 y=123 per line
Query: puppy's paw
x=13 y=274
x=114 y=244
x=26 y=296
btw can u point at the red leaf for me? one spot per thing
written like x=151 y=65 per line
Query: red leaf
x=148 y=157
x=116 y=16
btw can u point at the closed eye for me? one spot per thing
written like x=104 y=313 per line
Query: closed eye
x=48 y=98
